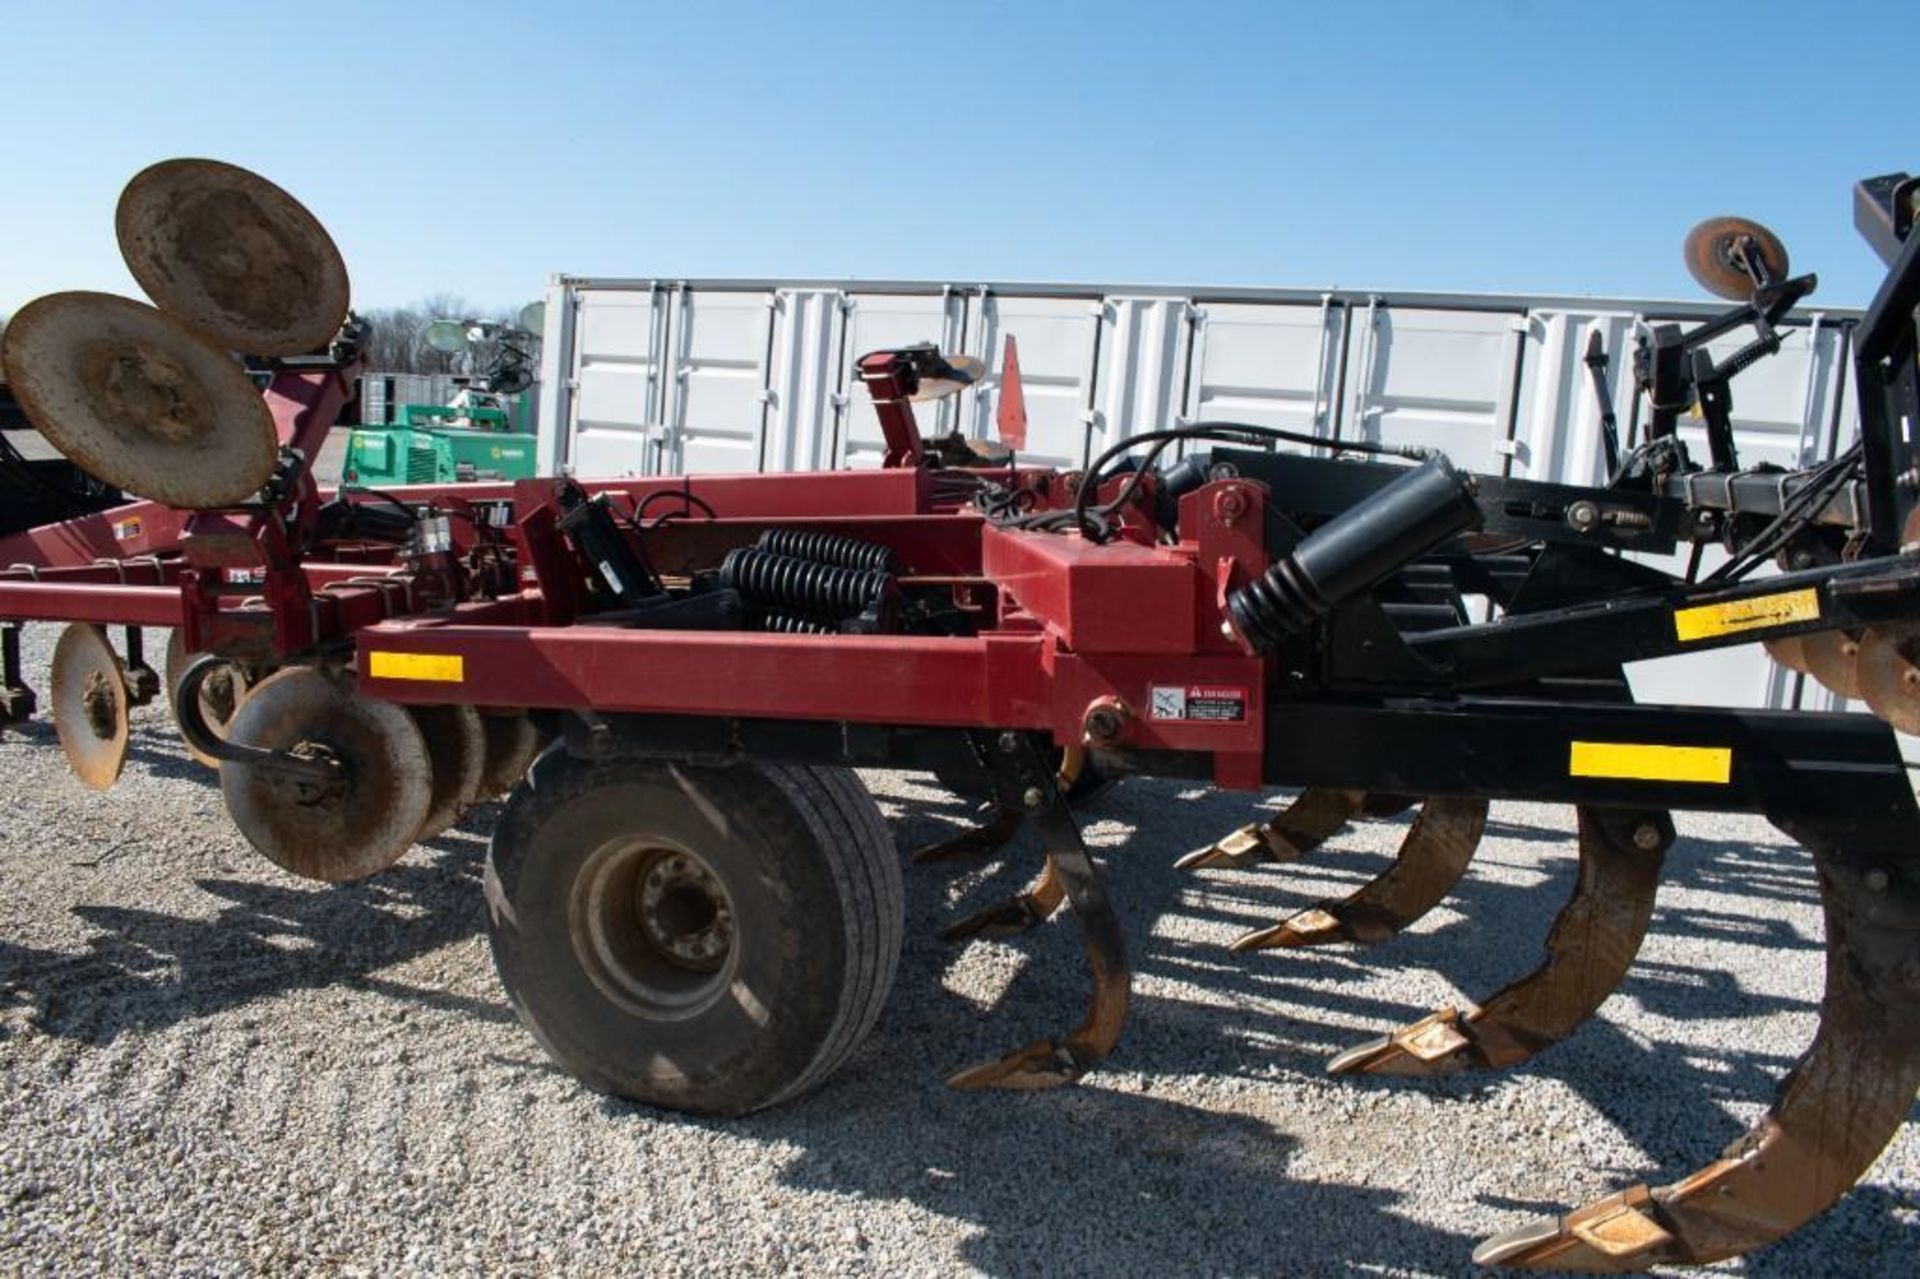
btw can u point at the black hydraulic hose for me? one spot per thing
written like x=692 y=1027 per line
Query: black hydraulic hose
x=1226 y=431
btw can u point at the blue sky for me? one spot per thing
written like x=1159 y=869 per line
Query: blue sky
x=475 y=148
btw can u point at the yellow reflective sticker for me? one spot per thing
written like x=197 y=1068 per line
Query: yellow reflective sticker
x=443 y=668
x=1709 y=620
x=1634 y=762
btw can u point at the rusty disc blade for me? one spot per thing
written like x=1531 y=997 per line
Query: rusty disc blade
x=1888 y=677
x=1710 y=260
x=1791 y=652
x=90 y=704
x=1833 y=659
x=457 y=748
x=220 y=695
x=139 y=401
x=512 y=743
x=969 y=371
x=338 y=832
x=232 y=255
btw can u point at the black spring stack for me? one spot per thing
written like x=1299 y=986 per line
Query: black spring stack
x=792 y=623
x=829 y=548
x=801 y=595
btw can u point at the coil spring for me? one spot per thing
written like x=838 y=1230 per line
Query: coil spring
x=1274 y=605
x=792 y=624
x=824 y=590
x=829 y=548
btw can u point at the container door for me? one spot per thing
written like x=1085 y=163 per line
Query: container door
x=1059 y=341
x=1267 y=363
x=611 y=413
x=717 y=383
x=1439 y=377
x=803 y=381
x=1144 y=344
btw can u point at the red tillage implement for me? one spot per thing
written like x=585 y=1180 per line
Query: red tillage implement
x=692 y=898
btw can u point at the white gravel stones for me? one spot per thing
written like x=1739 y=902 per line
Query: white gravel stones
x=207 y=1066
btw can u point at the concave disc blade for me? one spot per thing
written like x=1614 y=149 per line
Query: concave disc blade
x=1833 y=659
x=1888 y=677
x=939 y=388
x=90 y=704
x=1791 y=652
x=457 y=749
x=134 y=398
x=234 y=256
x=347 y=830
x=1710 y=260
x=512 y=742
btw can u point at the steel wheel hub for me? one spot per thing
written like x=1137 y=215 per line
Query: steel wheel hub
x=654 y=927
x=685 y=912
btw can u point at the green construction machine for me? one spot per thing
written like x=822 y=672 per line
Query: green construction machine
x=438 y=444
x=478 y=436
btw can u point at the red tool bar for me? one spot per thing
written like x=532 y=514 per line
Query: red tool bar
x=144 y=571
x=824 y=495
x=327 y=573
x=991 y=682
x=1116 y=598
x=114 y=604
x=138 y=528
x=103 y=593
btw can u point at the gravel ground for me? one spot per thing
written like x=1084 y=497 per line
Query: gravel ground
x=206 y=1065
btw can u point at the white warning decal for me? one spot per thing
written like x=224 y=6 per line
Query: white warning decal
x=1219 y=702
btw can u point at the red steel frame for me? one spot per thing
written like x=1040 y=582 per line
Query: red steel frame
x=1066 y=631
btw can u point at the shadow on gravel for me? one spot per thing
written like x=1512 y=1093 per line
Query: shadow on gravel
x=155 y=749
x=1094 y=1181
x=144 y=970
x=1281 y=1013
x=1096 y=1177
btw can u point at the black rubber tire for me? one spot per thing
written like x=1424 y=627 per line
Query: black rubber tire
x=810 y=870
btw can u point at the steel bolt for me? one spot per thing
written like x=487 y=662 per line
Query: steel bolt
x=1105 y=721
x=1229 y=505
x=1009 y=742
x=1876 y=881
x=1034 y=798
x=1647 y=837
x=1584 y=517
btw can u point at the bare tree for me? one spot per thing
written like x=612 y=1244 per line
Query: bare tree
x=398 y=343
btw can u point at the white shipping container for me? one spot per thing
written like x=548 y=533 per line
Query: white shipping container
x=643 y=377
